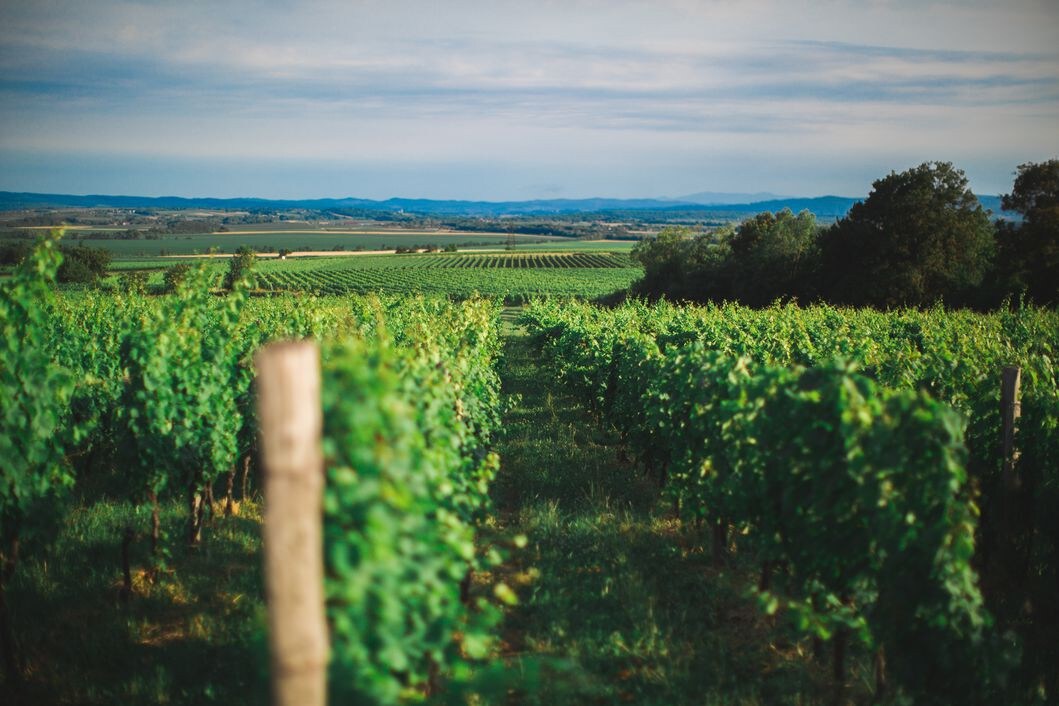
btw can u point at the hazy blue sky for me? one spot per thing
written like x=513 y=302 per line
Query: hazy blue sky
x=512 y=100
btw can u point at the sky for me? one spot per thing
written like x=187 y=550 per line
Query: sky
x=514 y=100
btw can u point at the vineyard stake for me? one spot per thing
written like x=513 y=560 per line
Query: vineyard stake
x=1010 y=409
x=288 y=398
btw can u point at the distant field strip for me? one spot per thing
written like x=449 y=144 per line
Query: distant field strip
x=542 y=261
x=512 y=276
x=524 y=261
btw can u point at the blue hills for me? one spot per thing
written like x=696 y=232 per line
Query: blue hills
x=827 y=207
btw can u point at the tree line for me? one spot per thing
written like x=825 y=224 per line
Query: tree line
x=920 y=237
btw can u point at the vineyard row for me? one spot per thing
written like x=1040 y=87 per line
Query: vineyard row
x=856 y=457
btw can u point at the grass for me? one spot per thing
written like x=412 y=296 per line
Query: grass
x=626 y=604
x=192 y=634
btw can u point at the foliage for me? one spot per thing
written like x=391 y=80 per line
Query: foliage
x=515 y=277
x=239 y=266
x=1028 y=256
x=920 y=237
x=34 y=427
x=180 y=399
x=682 y=265
x=83 y=264
x=857 y=490
x=171 y=405
x=773 y=256
x=133 y=282
x=615 y=586
x=34 y=392
x=406 y=434
x=174 y=275
x=13 y=253
x=1035 y=193
x=662 y=256
x=767 y=257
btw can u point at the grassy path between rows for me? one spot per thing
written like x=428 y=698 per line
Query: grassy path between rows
x=618 y=599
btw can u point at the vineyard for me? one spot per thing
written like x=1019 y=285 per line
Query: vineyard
x=515 y=277
x=465 y=260
x=856 y=458
x=563 y=504
x=152 y=399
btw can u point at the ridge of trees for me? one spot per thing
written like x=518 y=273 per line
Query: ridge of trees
x=921 y=237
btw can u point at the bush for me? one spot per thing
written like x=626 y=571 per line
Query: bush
x=174 y=275
x=773 y=256
x=239 y=266
x=83 y=265
x=134 y=282
x=15 y=253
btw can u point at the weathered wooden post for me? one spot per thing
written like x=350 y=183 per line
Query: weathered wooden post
x=288 y=398
x=1010 y=409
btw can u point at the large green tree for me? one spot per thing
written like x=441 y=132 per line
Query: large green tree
x=1028 y=252
x=920 y=237
x=82 y=264
x=239 y=266
x=772 y=256
x=682 y=265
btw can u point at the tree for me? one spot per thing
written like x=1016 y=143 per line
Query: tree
x=239 y=266
x=15 y=252
x=81 y=264
x=174 y=275
x=682 y=265
x=1028 y=253
x=921 y=236
x=772 y=255
x=709 y=267
x=663 y=259
x=133 y=282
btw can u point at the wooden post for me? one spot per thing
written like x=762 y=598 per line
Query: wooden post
x=1010 y=409
x=288 y=399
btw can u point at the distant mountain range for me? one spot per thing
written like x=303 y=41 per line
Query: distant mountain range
x=720 y=198
x=827 y=207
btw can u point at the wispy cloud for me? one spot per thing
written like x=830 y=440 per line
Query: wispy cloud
x=517 y=85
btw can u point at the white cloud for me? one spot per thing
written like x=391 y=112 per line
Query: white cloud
x=576 y=87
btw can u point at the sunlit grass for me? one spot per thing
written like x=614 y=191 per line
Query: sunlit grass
x=192 y=632
x=625 y=605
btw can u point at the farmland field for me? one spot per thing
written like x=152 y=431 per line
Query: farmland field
x=471 y=260
x=515 y=277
